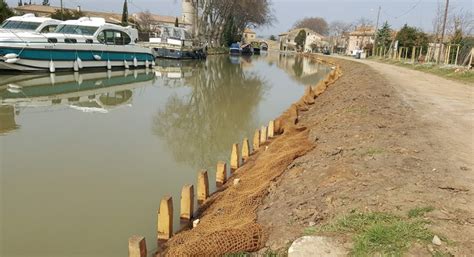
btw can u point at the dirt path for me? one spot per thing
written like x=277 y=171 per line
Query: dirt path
x=447 y=105
x=387 y=139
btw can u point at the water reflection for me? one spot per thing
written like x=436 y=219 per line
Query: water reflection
x=7 y=119
x=90 y=92
x=201 y=125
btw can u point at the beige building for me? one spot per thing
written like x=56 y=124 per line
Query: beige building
x=359 y=39
x=249 y=36
x=313 y=41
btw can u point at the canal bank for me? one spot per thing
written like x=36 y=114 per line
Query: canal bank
x=391 y=169
x=369 y=150
x=226 y=221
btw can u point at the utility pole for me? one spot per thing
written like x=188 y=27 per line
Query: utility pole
x=376 y=30
x=442 y=31
x=62 y=13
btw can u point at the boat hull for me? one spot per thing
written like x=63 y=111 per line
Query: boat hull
x=67 y=57
x=166 y=53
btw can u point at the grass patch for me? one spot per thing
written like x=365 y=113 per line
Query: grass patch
x=380 y=233
x=419 y=211
x=373 y=151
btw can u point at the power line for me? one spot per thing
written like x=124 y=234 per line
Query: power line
x=404 y=13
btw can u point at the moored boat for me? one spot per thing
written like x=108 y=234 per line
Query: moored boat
x=247 y=49
x=28 y=23
x=235 y=49
x=75 y=45
x=175 y=43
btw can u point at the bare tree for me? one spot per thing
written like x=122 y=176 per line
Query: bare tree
x=363 y=22
x=316 y=24
x=461 y=20
x=338 y=28
x=145 y=20
x=214 y=15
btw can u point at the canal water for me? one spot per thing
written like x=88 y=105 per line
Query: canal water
x=85 y=158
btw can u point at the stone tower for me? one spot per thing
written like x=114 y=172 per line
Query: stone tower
x=189 y=14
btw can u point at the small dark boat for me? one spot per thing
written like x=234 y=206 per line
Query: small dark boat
x=247 y=49
x=235 y=49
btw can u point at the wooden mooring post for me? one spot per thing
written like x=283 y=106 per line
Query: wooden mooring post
x=137 y=246
x=165 y=218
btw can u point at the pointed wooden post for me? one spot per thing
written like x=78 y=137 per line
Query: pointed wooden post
x=165 y=218
x=137 y=246
x=234 y=158
x=221 y=174
x=245 y=149
x=271 y=129
x=263 y=135
x=187 y=202
x=256 y=140
x=202 y=186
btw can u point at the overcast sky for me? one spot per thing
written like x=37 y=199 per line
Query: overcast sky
x=417 y=13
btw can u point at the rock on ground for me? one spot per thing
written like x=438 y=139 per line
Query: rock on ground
x=316 y=246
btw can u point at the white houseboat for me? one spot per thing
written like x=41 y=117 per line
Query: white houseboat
x=28 y=23
x=75 y=45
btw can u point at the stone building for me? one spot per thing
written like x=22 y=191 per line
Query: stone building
x=359 y=39
x=314 y=41
x=249 y=36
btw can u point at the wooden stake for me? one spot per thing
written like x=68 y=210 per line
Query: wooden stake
x=245 y=149
x=221 y=174
x=187 y=202
x=165 y=218
x=256 y=140
x=137 y=246
x=234 y=158
x=202 y=186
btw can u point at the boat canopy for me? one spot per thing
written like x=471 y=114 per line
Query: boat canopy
x=235 y=45
x=175 y=32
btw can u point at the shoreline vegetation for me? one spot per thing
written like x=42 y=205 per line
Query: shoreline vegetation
x=227 y=220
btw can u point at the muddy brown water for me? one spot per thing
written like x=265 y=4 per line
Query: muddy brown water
x=85 y=158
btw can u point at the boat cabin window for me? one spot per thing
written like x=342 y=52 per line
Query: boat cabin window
x=70 y=40
x=52 y=40
x=114 y=37
x=48 y=29
x=23 y=25
x=76 y=29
